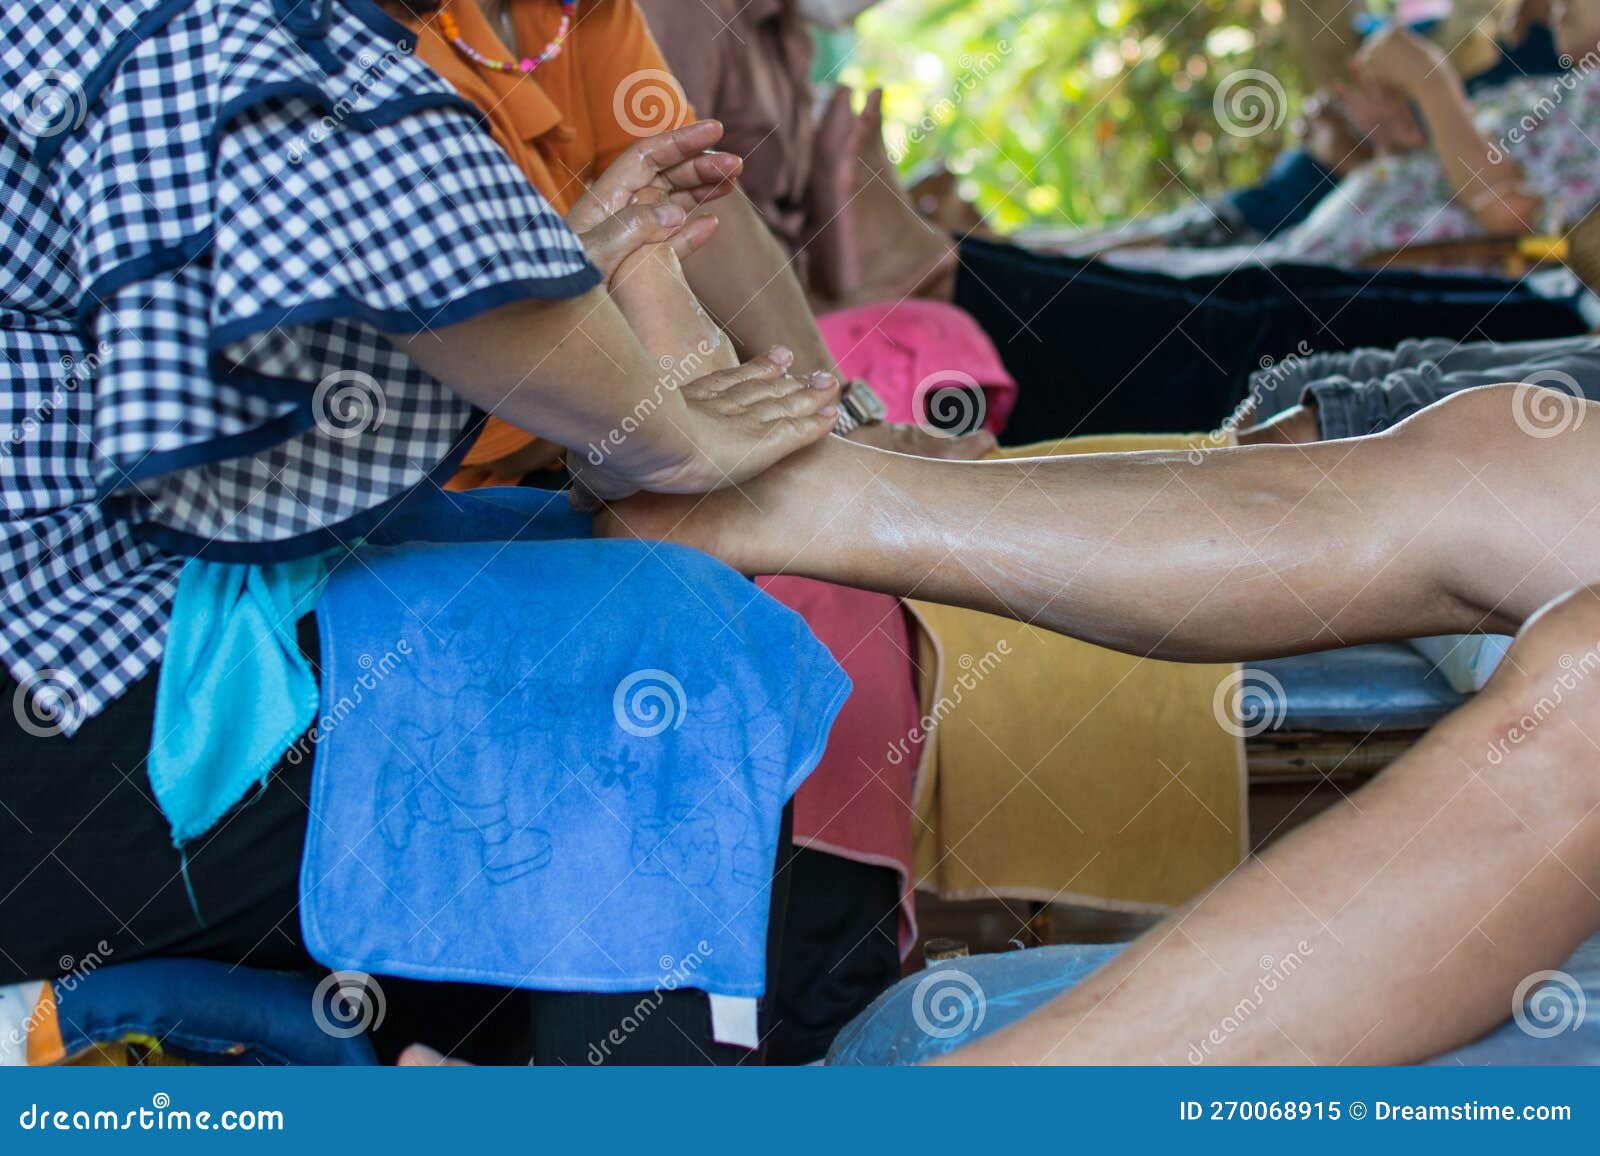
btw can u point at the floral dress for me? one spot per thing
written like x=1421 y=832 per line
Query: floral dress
x=1548 y=125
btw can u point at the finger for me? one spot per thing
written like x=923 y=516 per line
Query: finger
x=696 y=233
x=749 y=394
x=872 y=111
x=839 y=108
x=771 y=364
x=640 y=163
x=703 y=170
x=690 y=199
x=781 y=438
x=799 y=403
x=610 y=242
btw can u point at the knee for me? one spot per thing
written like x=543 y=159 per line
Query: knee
x=1543 y=711
x=1490 y=417
x=1562 y=636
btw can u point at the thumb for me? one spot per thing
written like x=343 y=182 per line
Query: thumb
x=617 y=237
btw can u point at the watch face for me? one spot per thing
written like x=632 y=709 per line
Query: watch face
x=864 y=402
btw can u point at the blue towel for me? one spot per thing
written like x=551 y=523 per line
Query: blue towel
x=557 y=764
x=234 y=691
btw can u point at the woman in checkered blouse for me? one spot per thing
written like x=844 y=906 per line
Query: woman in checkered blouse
x=265 y=275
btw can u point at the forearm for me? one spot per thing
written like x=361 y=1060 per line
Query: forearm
x=745 y=279
x=1486 y=179
x=568 y=371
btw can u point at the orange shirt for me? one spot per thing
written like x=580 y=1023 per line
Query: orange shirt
x=563 y=125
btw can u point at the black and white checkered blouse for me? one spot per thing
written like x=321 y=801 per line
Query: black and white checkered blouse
x=211 y=208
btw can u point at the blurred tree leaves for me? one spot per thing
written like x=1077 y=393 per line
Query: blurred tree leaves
x=1080 y=111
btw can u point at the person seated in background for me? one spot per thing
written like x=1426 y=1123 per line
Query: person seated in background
x=1103 y=347
x=1469 y=864
x=853 y=239
x=1516 y=158
x=1095 y=348
x=816 y=171
x=1339 y=128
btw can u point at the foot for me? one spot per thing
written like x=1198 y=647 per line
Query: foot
x=753 y=527
x=674 y=328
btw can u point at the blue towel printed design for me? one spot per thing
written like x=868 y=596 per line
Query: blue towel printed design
x=575 y=776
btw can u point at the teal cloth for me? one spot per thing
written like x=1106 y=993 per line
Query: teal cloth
x=234 y=688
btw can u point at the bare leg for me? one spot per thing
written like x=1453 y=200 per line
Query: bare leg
x=1411 y=913
x=1392 y=928
x=650 y=292
x=1453 y=521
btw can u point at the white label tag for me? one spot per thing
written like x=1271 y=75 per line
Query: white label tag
x=733 y=1021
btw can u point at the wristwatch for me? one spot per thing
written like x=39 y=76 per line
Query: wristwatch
x=858 y=406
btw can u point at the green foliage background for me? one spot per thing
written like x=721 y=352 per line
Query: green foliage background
x=1072 y=111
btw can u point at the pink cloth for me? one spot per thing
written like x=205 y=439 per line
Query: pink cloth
x=857 y=804
x=909 y=349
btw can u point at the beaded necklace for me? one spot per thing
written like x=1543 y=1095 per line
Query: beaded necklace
x=452 y=32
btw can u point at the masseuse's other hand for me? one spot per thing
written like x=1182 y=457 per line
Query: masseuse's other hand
x=920 y=443
x=645 y=195
x=740 y=422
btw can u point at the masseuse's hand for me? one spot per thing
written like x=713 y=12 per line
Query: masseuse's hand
x=645 y=195
x=740 y=422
